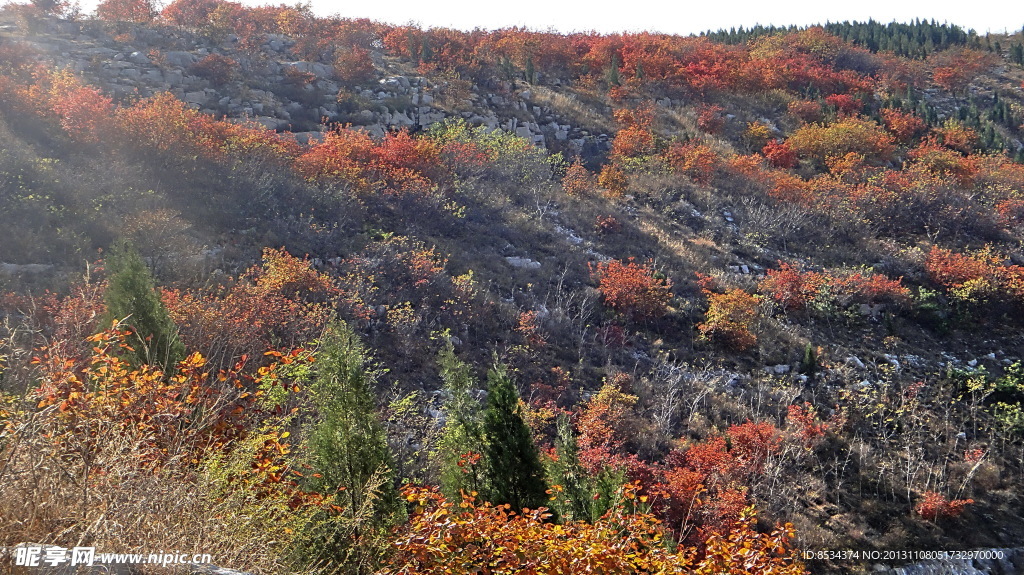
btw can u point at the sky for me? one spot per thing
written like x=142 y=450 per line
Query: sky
x=678 y=17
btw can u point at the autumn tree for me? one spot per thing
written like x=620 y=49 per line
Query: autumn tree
x=132 y=299
x=514 y=472
x=729 y=317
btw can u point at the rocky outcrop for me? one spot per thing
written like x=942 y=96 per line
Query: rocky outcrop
x=274 y=89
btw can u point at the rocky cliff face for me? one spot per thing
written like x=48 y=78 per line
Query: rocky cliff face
x=272 y=88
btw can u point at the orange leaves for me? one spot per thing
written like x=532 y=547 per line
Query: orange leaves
x=697 y=161
x=729 y=317
x=632 y=289
x=442 y=538
x=803 y=423
x=102 y=396
x=139 y=11
x=342 y=156
x=577 y=179
x=635 y=139
x=904 y=125
x=973 y=277
x=779 y=154
x=613 y=179
x=954 y=69
x=399 y=164
x=84 y=112
x=165 y=123
x=753 y=444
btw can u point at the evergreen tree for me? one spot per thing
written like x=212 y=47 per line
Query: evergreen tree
x=349 y=455
x=132 y=299
x=348 y=445
x=573 y=501
x=531 y=71
x=612 y=73
x=514 y=472
x=460 y=449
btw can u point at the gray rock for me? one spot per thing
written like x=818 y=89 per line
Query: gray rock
x=138 y=58
x=523 y=263
x=179 y=59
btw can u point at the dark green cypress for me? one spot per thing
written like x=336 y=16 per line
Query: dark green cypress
x=514 y=472
x=132 y=299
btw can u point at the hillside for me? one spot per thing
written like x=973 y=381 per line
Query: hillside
x=653 y=283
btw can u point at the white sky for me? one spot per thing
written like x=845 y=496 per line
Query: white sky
x=677 y=17
x=680 y=16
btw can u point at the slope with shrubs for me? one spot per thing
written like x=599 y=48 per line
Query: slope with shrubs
x=765 y=290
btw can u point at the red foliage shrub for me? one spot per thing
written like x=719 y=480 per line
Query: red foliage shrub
x=753 y=444
x=529 y=327
x=710 y=118
x=354 y=66
x=934 y=506
x=801 y=419
x=846 y=104
x=84 y=112
x=632 y=289
x=577 y=179
x=218 y=69
x=605 y=225
x=190 y=13
x=779 y=154
x=138 y=11
x=790 y=287
x=904 y=125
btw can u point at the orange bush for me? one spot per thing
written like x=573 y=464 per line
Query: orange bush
x=779 y=154
x=613 y=179
x=904 y=125
x=697 y=161
x=729 y=318
x=849 y=134
x=444 y=538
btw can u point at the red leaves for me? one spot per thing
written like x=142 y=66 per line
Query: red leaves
x=796 y=290
x=139 y=11
x=934 y=506
x=779 y=154
x=633 y=289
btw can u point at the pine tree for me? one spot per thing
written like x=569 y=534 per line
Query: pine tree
x=460 y=449
x=349 y=455
x=132 y=299
x=514 y=472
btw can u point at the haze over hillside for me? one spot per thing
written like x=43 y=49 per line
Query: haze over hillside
x=325 y=295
